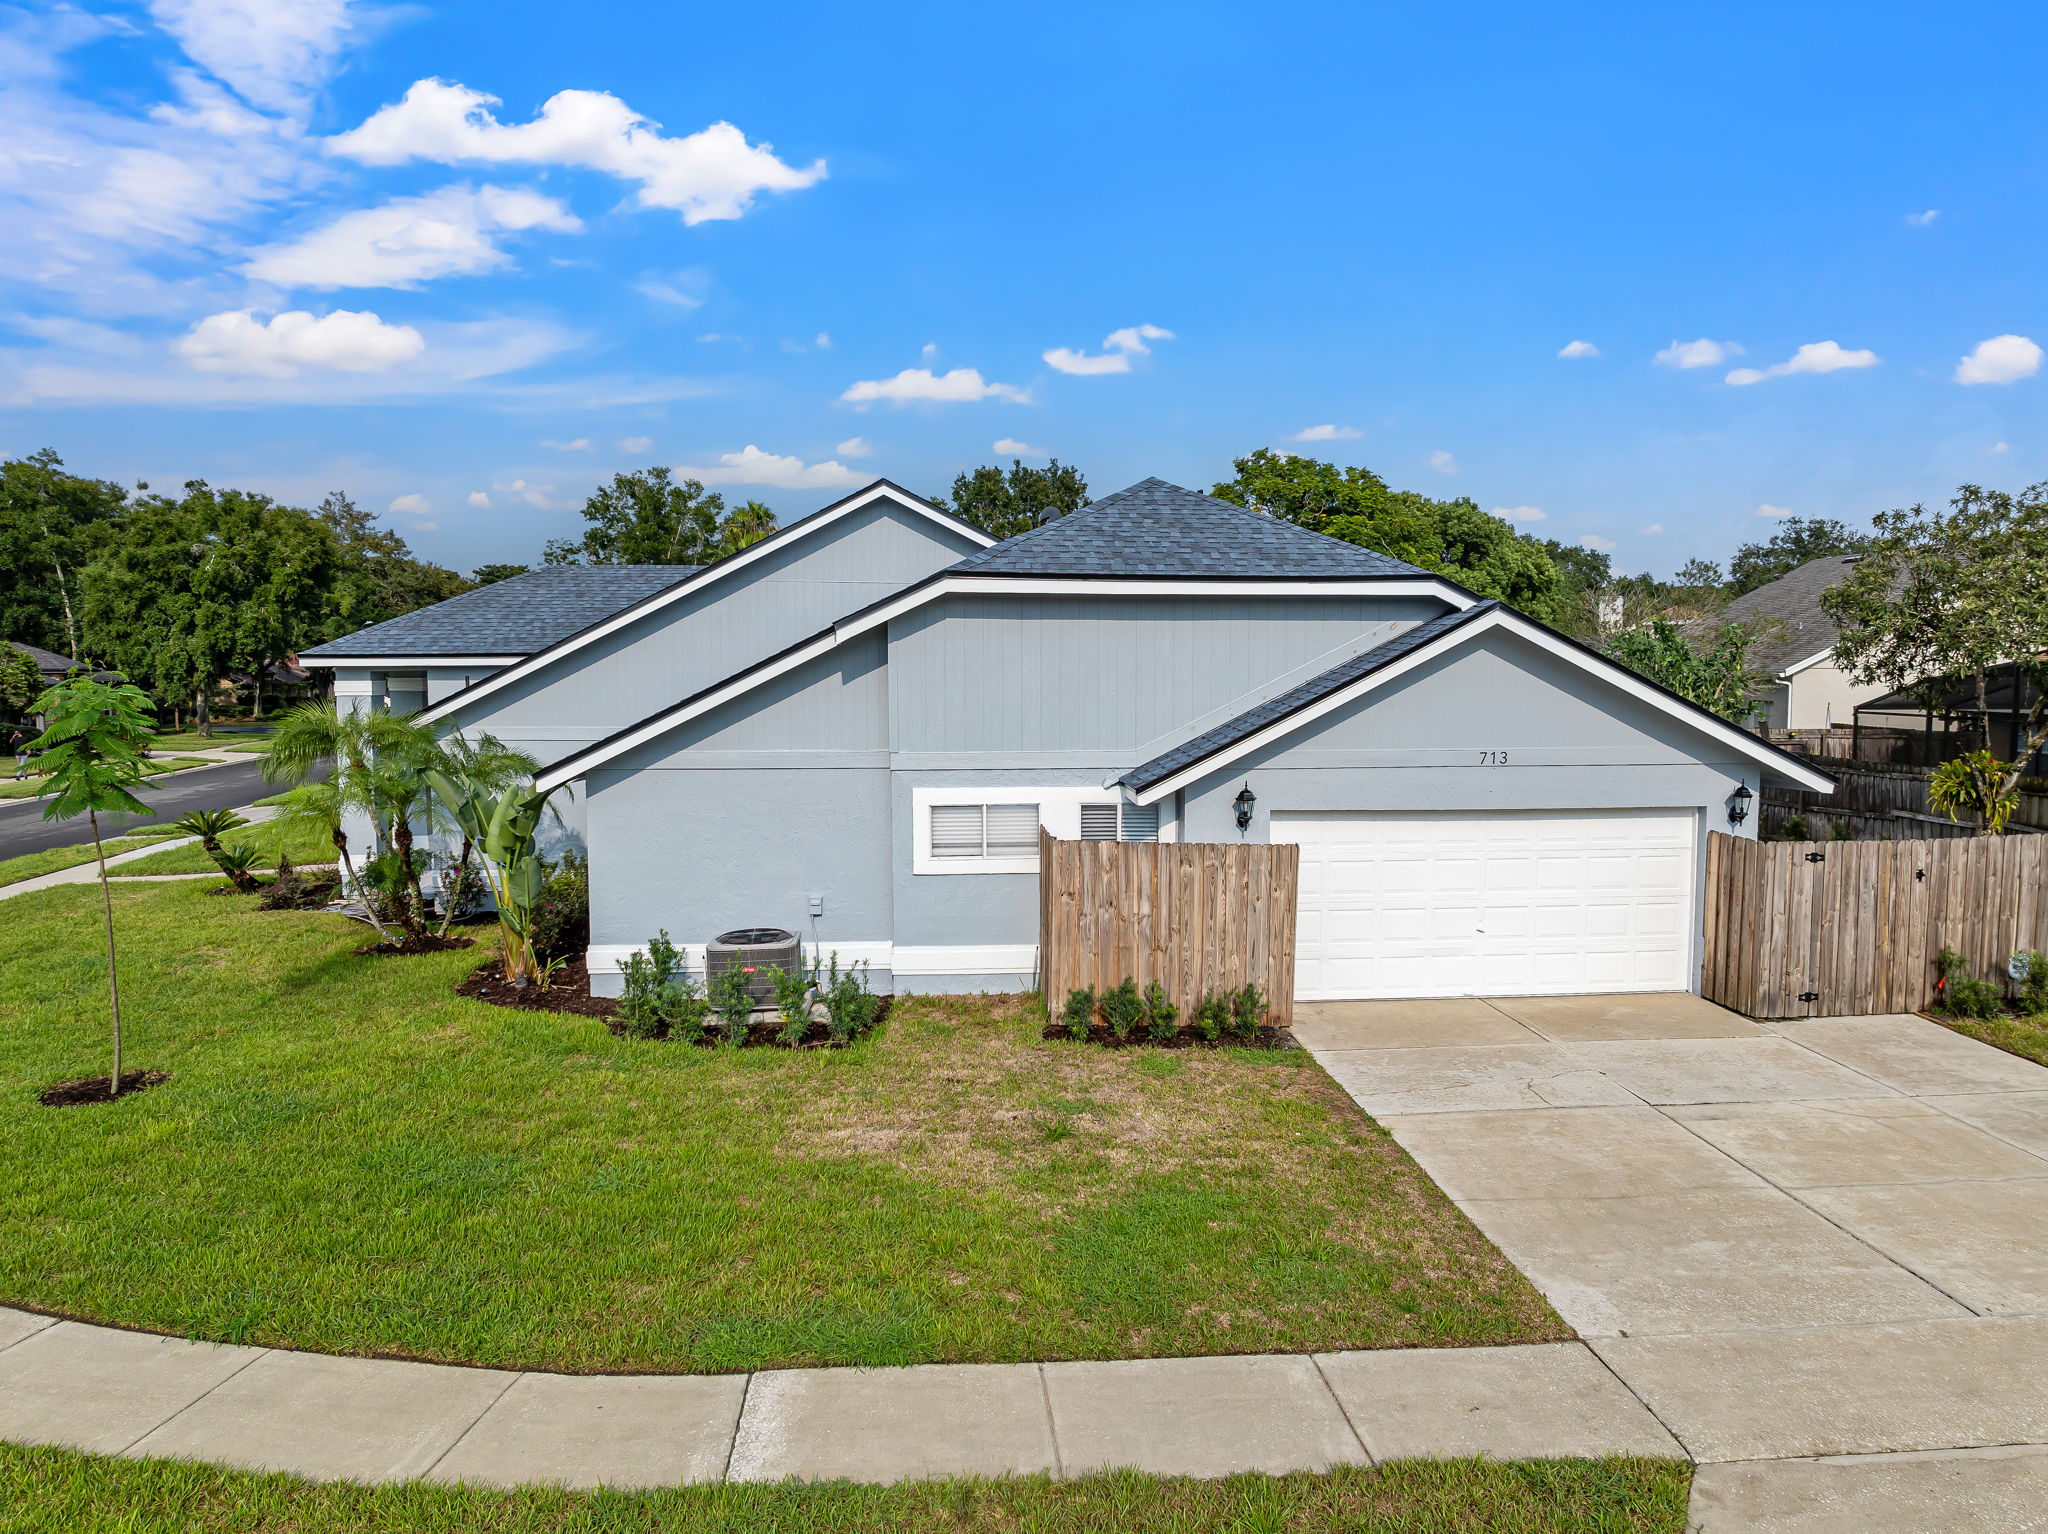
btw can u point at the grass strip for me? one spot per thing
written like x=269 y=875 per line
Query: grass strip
x=45 y=1491
x=350 y=1158
x=2026 y=1037
x=302 y=844
x=33 y=865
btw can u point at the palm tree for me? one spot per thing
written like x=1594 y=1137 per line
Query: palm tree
x=483 y=768
x=320 y=804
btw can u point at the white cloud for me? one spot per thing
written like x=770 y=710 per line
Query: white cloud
x=410 y=240
x=411 y=505
x=271 y=52
x=578 y=445
x=347 y=340
x=1015 y=449
x=1119 y=347
x=1326 y=434
x=751 y=466
x=928 y=353
x=479 y=500
x=1922 y=220
x=636 y=444
x=534 y=495
x=1813 y=357
x=2000 y=360
x=823 y=342
x=1580 y=349
x=1652 y=530
x=914 y=384
x=1598 y=544
x=2000 y=447
x=854 y=447
x=684 y=289
x=1696 y=354
x=711 y=174
x=1521 y=513
x=1443 y=462
x=1768 y=510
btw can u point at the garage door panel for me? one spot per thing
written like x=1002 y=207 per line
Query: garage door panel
x=1515 y=903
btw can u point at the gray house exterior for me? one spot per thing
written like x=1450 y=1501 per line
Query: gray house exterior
x=855 y=729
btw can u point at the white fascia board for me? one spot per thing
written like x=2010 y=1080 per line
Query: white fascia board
x=1608 y=671
x=571 y=769
x=1812 y=660
x=405 y=662
x=701 y=581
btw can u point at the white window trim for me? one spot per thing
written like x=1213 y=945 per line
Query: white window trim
x=1059 y=812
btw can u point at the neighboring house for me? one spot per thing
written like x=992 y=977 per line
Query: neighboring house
x=856 y=728
x=54 y=668
x=1796 y=644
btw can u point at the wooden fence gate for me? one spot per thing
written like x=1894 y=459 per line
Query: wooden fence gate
x=1830 y=929
x=1195 y=916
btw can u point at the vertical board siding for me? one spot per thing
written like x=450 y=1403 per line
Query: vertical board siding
x=1859 y=929
x=1195 y=916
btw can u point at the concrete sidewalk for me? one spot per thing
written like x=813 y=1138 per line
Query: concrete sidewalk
x=1821 y=1242
x=370 y=1420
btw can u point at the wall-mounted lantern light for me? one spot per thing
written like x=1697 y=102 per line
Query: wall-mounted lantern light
x=1243 y=803
x=1738 y=804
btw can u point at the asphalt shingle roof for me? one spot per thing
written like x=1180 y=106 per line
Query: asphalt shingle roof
x=1278 y=707
x=1154 y=529
x=1787 y=612
x=510 y=617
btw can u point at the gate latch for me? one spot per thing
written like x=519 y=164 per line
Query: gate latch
x=1809 y=995
x=1816 y=857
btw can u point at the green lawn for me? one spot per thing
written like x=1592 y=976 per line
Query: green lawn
x=56 y=859
x=350 y=1159
x=2026 y=1037
x=219 y=740
x=51 y=1491
x=27 y=787
x=303 y=844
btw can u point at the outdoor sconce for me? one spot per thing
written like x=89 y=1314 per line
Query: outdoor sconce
x=1243 y=803
x=1738 y=804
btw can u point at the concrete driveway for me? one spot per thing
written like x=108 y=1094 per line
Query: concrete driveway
x=1817 y=1250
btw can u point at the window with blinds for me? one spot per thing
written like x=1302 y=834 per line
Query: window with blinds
x=1119 y=822
x=984 y=830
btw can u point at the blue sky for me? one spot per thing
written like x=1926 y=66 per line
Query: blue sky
x=296 y=245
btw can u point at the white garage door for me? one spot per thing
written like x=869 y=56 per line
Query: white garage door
x=1520 y=903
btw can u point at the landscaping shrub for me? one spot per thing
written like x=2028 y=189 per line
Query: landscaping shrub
x=1212 y=1014
x=792 y=989
x=1162 y=1017
x=1794 y=829
x=1247 y=1011
x=2033 y=996
x=660 y=997
x=851 y=1009
x=292 y=890
x=561 y=916
x=732 y=998
x=1078 y=1015
x=1961 y=995
x=1123 y=1008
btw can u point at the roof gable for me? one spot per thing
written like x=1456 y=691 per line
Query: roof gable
x=1159 y=531
x=1791 y=625
x=1352 y=678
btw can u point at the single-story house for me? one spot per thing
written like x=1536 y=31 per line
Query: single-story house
x=855 y=729
x=1795 y=643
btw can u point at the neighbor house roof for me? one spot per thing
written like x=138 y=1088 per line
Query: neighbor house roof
x=1787 y=613
x=1352 y=678
x=57 y=667
x=511 y=617
x=1160 y=531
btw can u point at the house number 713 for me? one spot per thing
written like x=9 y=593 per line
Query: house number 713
x=1493 y=758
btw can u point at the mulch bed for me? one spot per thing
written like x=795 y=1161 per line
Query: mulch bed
x=93 y=1089
x=1267 y=1037
x=569 y=993
x=428 y=943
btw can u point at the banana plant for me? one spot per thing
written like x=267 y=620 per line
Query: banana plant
x=502 y=824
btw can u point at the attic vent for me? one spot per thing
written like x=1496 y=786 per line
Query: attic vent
x=1119 y=822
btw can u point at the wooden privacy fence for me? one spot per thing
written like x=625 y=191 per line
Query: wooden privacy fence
x=1195 y=916
x=1827 y=929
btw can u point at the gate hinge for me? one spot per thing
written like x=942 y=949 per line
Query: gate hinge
x=1809 y=995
